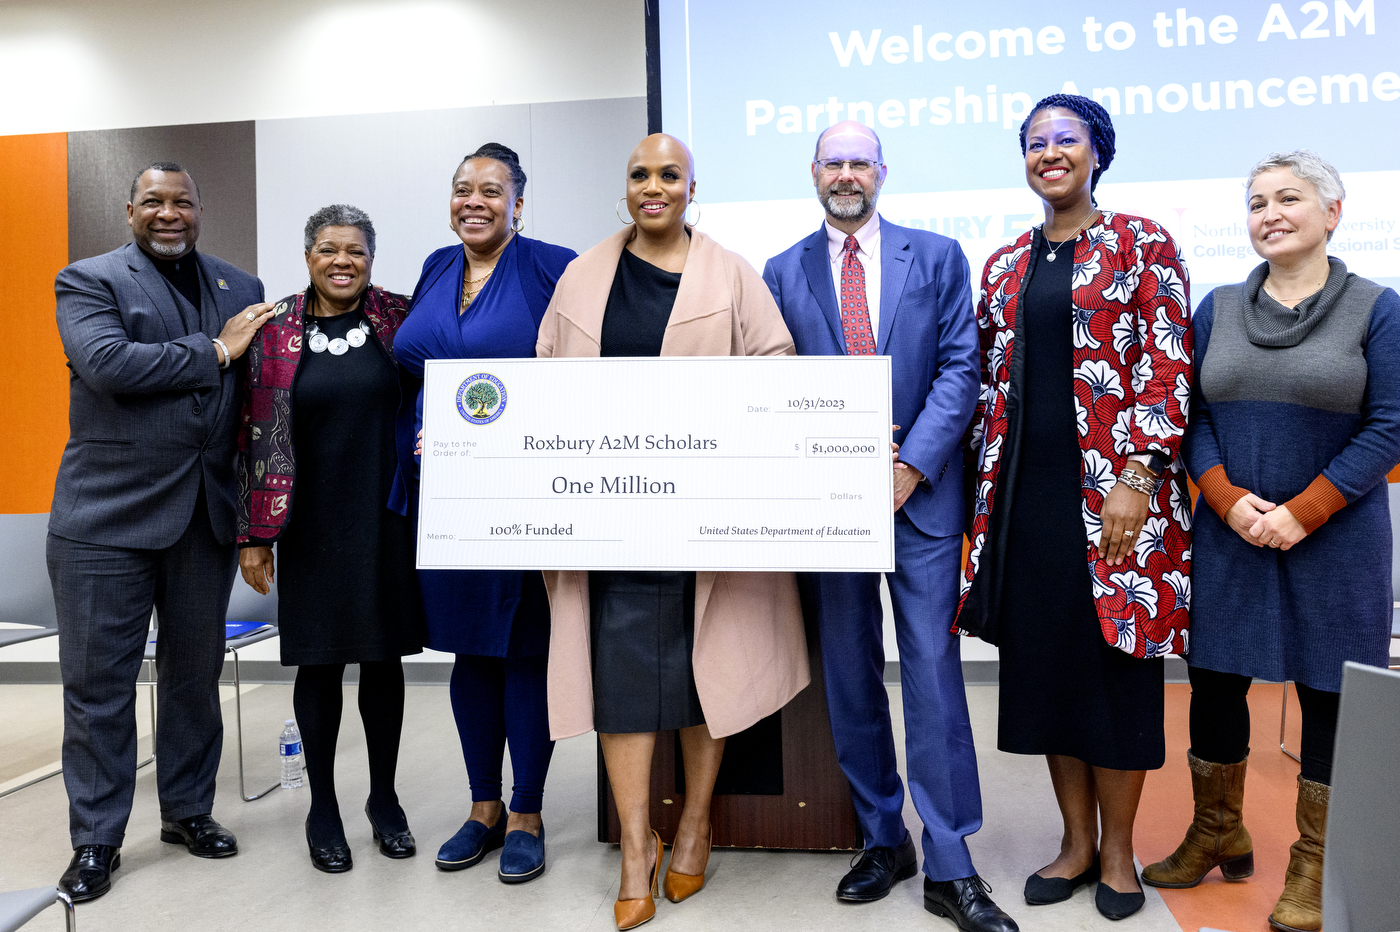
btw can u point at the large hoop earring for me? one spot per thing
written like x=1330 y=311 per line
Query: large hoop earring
x=629 y=221
x=696 y=221
x=517 y=225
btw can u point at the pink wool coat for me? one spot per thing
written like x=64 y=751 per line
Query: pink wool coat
x=750 y=655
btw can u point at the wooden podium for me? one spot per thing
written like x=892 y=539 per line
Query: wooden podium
x=779 y=786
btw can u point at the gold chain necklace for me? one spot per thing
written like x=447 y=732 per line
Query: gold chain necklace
x=468 y=292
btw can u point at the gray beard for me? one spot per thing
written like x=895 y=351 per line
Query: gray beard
x=162 y=249
x=848 y=211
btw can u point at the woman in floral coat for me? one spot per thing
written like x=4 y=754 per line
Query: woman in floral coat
x=1081 y=530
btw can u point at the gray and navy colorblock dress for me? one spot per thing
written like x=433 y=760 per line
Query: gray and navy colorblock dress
x=1300 y=406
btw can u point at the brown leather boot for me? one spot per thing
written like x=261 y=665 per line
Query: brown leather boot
x=1299 y=909
x=1216 y=837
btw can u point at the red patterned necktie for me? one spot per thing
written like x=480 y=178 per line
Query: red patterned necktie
x=855 y=313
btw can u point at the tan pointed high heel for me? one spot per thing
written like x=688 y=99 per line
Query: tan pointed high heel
x=679 y=886
x=628 y=914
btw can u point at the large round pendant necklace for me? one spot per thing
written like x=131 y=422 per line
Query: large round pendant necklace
x=318 y=342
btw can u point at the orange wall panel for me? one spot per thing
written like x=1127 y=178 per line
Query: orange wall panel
x=33 y=371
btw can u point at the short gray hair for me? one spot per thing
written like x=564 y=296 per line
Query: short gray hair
x=339 y=215
x=1307 y=165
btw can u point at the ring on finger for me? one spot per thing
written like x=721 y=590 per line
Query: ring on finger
x=250 y=315
x=1127 y=533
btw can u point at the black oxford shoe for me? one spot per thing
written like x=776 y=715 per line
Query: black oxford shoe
x=89 y=874
x=202 y=835
x=968 y=903
x=875 y=871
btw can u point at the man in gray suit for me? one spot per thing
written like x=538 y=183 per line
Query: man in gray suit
x=143 y=517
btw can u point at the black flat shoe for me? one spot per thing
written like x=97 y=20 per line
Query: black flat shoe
x=89 y=874
x=392 y=844
x=876 y=870
x=331 y=859
x=968 y=902
x=204 y=837
x=1114 y=905
x=1042 y=891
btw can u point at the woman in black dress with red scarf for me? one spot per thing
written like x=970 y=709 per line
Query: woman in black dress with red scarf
x=318 y=458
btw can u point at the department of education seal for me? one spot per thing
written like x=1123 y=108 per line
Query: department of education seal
x=481 y=398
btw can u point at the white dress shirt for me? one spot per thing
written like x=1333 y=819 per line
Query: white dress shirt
x=868 y=252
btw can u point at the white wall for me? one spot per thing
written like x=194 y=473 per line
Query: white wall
x=102 y=64
x=574 y=154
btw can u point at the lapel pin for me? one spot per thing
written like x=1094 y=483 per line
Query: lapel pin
x=223 y=285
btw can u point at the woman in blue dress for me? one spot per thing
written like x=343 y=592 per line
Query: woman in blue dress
x=485 y=299
x=1295 y=422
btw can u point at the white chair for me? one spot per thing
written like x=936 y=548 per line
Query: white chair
x=26 y=609
x=245 y=605
x=19 y=907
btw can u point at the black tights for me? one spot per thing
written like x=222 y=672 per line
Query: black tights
x=1220 y=722
x=317 y=701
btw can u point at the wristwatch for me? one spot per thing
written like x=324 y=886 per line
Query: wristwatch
x=1155 y=462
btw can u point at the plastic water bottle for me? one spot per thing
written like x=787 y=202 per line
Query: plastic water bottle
x=289 y=747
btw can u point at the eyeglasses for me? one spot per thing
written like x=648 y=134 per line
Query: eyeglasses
x=857 y=166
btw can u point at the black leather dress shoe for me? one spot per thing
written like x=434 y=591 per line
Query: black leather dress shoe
x=202 y=835
x=89 y=874
x=329 y=859
x=876 y=870
x=968 y=903
x=392 y=844
x=1042 y=891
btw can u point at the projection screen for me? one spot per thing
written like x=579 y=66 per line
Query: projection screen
x=1198 y=94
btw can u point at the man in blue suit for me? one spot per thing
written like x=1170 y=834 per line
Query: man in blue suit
x=860 y=285
x=143 y=517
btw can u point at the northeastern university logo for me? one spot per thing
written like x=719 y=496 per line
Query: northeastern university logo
x=481 y=398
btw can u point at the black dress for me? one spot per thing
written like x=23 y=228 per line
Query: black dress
x=642 y=625
x=1064 y=689
x=347 y=591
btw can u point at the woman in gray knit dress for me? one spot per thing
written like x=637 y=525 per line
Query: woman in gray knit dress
x=1295 y=421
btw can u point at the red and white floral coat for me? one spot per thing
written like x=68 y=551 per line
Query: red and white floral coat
x=1132 y=388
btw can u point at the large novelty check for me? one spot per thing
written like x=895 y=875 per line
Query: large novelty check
x=675 y=463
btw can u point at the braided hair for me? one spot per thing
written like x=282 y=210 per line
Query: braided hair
x=1095 y=117
x=507 y=157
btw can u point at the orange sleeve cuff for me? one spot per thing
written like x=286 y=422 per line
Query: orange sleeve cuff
x=1219 y=494
x=1315 y=504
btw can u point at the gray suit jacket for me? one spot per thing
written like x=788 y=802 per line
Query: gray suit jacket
x=150 y=414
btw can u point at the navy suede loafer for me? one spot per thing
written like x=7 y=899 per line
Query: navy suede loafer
x=471 y=843
x=522 y=858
